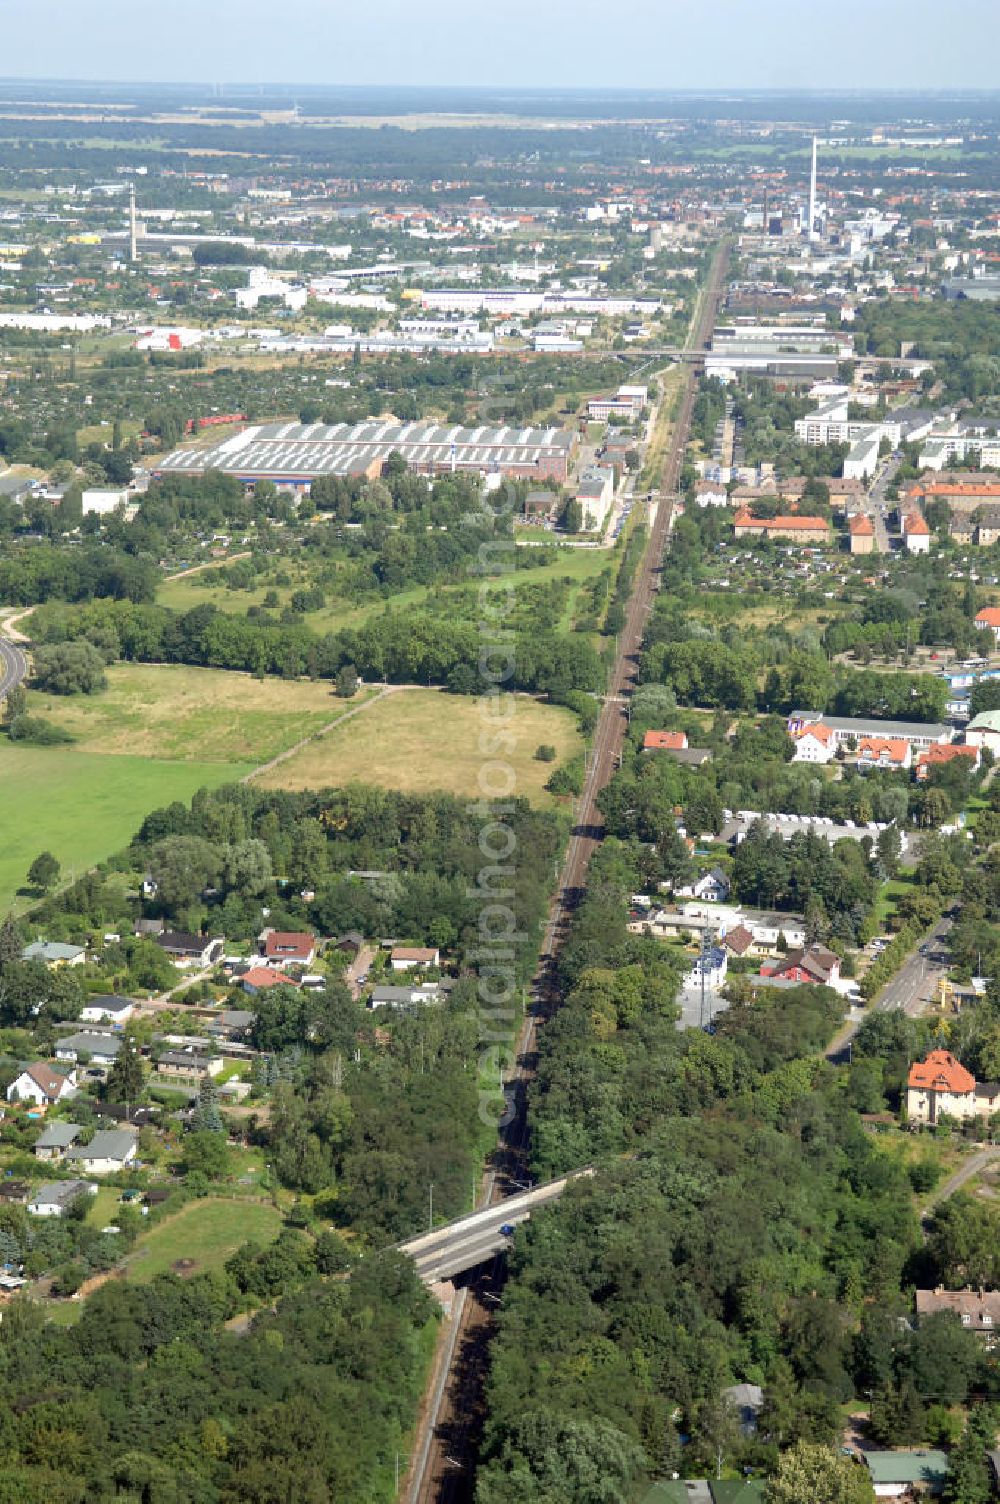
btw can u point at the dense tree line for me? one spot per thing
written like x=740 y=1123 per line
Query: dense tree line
x=42 y=573
x=753 y=1232
x=152 y=1398
x=413 y=647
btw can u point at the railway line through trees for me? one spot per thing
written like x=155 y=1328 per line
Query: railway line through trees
x=442 y=1464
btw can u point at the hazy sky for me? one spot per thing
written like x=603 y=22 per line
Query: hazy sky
x=560 y=43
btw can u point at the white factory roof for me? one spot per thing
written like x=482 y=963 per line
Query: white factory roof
x=310 y=449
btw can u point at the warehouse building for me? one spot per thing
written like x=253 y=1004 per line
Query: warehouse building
x=295 y=454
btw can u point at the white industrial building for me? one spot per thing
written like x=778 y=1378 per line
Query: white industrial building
x=595 y=494
x=103 y=502
x=261 y=284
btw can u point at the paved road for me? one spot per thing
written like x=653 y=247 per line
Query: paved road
x=873 y=505
x=13 y=666
x=912 y=988
x=473 y=1240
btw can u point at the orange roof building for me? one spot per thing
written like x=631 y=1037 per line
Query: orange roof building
x=664 y=741
x=862 y=531
x=941 y=753
x=796 y=529
x=941 y=1072
x=883 y=752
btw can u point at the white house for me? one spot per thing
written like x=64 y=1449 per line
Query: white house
x=989 y=620
x=40 y=1084
x=101 y=1049
x=984 y=731
x=916 y=533
x=941 y=1087
x=712 y=887
x=107 y=1009
x=405 y=997
x=815 y=744
x=407 y=957
x=710 y=493
x=55 y=1199
x=884 y=752
x=110 y=1150
x=710 y=967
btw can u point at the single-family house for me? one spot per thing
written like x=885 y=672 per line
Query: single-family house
x=107 y=1009
x=190 y=950
x=897 y=1475
x=409 y=957
x=664 y=741
x=288 y=948
x=110 y=1150
x=56 y=1198
x=988 y=620
x=862 y=534
x=708 y=969
x=978 y=1310
x=149 y=928
x=815 y=744
x=712 y=887
x=174 y=1064
x=883 y=752
x=55 y=1139
x=101 y=1049
x=53 y=953
x=261 y=978
x=745 y=1402
x=741 y=941
x=40 y=1084
x=984 y=731
x=916 y=533
x=384 y=996
x=710 y=493
x=350 y=944
x=813 y=964
x=940 y=1086
x=232 y=1023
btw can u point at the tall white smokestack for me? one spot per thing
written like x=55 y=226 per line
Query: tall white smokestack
x=811 y=227
x=133 y=253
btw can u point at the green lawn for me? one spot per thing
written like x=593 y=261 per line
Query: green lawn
x=82 y=806
x=209 y=715
x=206 y=1232
x=889 y=896
x=104 y=1207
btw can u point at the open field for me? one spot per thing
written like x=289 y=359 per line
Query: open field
x=100 y=433
x=205 y=1232
x=419 y=740
x=82 y=806
x=209 y=715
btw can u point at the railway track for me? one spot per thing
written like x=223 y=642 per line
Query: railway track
x=442 y=1470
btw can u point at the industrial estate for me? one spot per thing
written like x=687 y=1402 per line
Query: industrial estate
x=499 y=707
